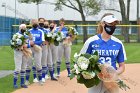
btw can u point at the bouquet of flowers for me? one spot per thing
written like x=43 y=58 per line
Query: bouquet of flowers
x=54 y=38
x=72 y=33
x=86 y=69
x=89 y=72
x=18 y=41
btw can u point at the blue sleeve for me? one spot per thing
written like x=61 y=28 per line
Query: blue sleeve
x=120 y=57
x=89 y=49
x=28 y=44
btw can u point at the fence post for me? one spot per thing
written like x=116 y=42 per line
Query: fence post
x=138 y=30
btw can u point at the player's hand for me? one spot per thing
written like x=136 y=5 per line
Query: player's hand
x=31 y=43
x=25 y=46
x=45 y=43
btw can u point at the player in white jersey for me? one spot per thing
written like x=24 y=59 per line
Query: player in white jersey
x=110 y=49
x=64 y=49
x=21 y=59
x=53 y=48
x=38 y=39
x=44 y=49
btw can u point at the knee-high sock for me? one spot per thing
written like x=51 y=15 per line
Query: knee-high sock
x=51 y=71
x=53 y=68
x=43 y=72
x=47 y=70
x=58 y=67
x=15 y=78
x=51 y=74
x=28 y=74
x=39 y=75
x=68 y=67
x=34 y=71
x=22 y=75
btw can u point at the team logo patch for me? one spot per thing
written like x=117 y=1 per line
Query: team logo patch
x=95 y=46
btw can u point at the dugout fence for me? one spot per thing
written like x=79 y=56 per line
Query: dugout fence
x=133 y=31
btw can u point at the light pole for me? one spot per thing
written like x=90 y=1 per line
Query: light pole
x=15 y=10
x=138 y=21
x=37 y=9
x=4 y=23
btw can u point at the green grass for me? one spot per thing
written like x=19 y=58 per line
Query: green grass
x=132 y=52
x=6 y=58
x=7 y=62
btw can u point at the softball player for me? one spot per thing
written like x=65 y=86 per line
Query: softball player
x=44 y=49
x=63 y=49
x=52 y=48
x=20 y=60
x=46 y=54
x=38 y=39
x=110 y=49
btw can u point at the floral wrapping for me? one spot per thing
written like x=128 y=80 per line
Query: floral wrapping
x=90 y=73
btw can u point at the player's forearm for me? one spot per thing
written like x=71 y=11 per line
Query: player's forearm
x=121 y=68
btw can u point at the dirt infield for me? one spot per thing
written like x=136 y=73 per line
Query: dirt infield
x=65 y=85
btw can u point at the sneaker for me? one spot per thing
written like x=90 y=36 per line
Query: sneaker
x=54 y=79
x=43 y=80
x=41 y=83
x=15 y=86
x=27 y=83
x=57 y=75
x=35 y=80
x=69 y=75
x=24 y=86
x=47 y=77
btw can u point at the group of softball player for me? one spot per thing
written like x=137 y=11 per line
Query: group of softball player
x=45 y=58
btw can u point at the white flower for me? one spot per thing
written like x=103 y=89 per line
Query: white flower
x=75 y=66
x=19 y=35
x=76 y=33
x=14 y=37
x=77 y=71
x=19 y=42
x=54 y=35
x=84 y=66
x=62 y=35
x=58 y=39
x=83 y=62
x=92 y=74
x=49 y=35
x=12 y=43
x=88 y=75
x=76 y=55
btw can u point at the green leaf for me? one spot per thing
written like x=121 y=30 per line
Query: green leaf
x=56 y=43
x=97 y=80
x=86 y=55
x=72 y=76
x=95 y=53
x=91 y=82
x=80 y=79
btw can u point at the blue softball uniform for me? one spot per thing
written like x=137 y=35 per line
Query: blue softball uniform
x=110 y=51
x=64 y=30
x=38 y=36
